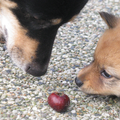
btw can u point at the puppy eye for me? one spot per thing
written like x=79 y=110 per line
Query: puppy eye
x=105 y=74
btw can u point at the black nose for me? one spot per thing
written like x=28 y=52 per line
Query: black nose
x=78 y=82
x=35 y=69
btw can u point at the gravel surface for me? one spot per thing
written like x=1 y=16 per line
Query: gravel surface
x=24 y=97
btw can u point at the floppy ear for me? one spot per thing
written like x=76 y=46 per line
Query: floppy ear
x=110 y=19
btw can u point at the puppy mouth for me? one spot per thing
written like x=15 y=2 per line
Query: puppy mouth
x=88 y=90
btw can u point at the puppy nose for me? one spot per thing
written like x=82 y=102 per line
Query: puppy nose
x=78 y=82
x=35 y=69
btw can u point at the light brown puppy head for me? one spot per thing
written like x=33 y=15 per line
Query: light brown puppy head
x=102 y=76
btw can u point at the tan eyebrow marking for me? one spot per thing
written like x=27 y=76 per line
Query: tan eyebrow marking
x=56 y=21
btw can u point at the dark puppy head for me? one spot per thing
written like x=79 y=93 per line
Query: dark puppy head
x=31 y=27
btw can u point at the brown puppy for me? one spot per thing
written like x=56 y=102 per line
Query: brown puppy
x=102 y=76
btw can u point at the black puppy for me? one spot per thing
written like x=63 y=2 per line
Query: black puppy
x=30 y=26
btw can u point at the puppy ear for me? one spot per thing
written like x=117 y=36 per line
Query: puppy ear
x=110 y=19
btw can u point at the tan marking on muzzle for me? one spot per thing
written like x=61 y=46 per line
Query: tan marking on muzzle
x=27 y=45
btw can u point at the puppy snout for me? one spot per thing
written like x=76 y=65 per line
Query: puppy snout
x=35 y=69
x=78 y=82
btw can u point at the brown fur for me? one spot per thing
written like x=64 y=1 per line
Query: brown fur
x=73 y=18
x=56 y=21
x=26 y=44
x=106 y=57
